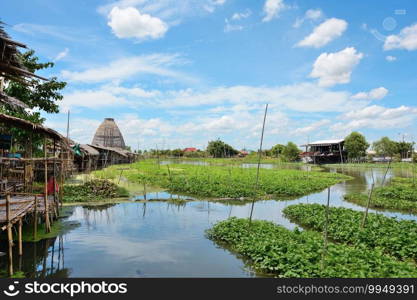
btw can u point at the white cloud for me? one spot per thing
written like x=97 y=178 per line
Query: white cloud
x=311 y=14
x=390 y=58
x=61 y=54
x=228 y=27
x=242 y=15
x=335 y=68
x=130 y=23
x=407 y=39
x=91 y=99
x=375 y=94
x=272 y=8
x=303 y=97
x=314 y=14
x=152 y=64
x=377 y=117
x=316 y=126
x=324 y=33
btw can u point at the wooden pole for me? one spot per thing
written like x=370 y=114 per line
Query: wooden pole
x=20 y=238
x=341 y=154
x=35 y=219
x=325 y=230
x=367 y=206
x=61 y=187
x=259 y=164
x=9 y=235
x=47 y=223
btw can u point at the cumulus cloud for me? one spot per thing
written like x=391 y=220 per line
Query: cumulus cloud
x=153 y=64
x=130 y=23
x=335 y=68
x=324 y=33
x=406 y=39
x=272 y=9
x=375 y=94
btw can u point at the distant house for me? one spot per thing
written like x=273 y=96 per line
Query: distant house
x=243 y=153
x=325 y=151
x=191 y=149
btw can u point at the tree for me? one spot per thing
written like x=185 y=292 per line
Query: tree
x=356 y=145
x=404 y=148
x=291 y=152
x=277 y=150
x=218 y=148
x=37 y=94
x=385 y=147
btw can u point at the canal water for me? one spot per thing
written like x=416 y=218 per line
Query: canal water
x=167 y=238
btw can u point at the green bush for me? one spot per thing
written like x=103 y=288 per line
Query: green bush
x=93 y=190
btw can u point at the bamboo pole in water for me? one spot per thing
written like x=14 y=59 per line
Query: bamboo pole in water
x=325 y=231
x=367 y=206
x=9 y=235
x=259 y=164
x=35 y=219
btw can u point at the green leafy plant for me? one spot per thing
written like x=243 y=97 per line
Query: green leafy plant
x=94 y=190
x=276 y=250
x=397 y=238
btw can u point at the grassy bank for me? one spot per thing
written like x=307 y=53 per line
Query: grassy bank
x=399 y=195
x=93 y=191
x=225 y=181
x=397 y=238
x=285 y=253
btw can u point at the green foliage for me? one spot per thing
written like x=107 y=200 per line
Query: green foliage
x=285 y=253
x=277 y=150
x=291 y=152
x=356 y=145
x=400 y=195
x=40 y=95
x=397 y=238
x=93 y=190
x=218 y=148
x=385 y=147
x=227 y=181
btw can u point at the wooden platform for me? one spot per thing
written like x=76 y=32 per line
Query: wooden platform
x=20 y=205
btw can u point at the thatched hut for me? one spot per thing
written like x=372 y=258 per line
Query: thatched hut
x=109 y=135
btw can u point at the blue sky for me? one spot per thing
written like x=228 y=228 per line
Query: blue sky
x=181 y=73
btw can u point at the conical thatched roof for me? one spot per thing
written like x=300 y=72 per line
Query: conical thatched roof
x=109 y=135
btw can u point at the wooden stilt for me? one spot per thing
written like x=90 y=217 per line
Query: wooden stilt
x=20 y=237
x=9 y=235
x=35 y=219
x=46 y=206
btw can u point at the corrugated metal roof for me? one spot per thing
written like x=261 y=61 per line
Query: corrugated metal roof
x=325 y=142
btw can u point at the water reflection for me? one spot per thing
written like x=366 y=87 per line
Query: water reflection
x=165 y=237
